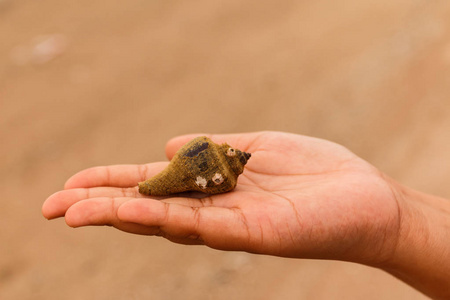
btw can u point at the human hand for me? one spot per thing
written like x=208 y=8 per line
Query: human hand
x=298 y=197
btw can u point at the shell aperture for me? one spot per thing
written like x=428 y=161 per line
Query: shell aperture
x=200 y=165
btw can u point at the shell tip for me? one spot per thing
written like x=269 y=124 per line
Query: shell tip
x=144 y=188
x=247 y=155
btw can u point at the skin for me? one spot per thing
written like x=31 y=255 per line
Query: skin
x=298 y=197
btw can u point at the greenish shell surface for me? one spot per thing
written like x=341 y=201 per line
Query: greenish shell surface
x=200 y=165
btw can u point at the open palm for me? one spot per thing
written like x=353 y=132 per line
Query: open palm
x=298 y=197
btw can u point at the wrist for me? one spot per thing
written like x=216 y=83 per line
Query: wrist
x=420 y=255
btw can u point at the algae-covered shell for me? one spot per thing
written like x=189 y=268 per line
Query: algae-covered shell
x=200 y=165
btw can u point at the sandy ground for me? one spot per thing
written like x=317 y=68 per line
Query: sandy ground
x=87 y=83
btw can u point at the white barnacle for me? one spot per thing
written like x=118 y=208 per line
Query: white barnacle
x=231 y=152
x=217 y=178
x=201 y=182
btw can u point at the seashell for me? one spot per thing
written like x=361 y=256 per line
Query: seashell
x=200 y=165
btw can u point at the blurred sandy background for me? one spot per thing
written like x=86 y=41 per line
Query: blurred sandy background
x=86 y=83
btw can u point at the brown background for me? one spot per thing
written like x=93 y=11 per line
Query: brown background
x=85 y=83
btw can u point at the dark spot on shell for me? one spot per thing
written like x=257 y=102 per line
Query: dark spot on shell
x=244 y=157
x=203 y=166
x=195 y=151
x=247 y=155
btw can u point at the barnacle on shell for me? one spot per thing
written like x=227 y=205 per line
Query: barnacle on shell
x=200 y=165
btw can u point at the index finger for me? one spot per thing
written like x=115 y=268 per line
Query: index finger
x=114 y=176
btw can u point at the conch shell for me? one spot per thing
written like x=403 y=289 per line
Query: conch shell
x=200 y=165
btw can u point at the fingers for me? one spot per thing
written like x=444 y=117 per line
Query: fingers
x=117 y=175
x=242 y=141
x=57 y=204
x=217 y=227
x=103 y=211
x=96 y=211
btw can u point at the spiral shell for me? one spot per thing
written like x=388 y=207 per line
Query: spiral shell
x=200 y=165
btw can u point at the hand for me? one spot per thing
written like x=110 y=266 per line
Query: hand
x=298 y=197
